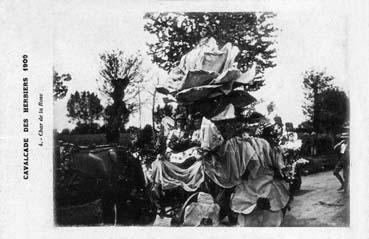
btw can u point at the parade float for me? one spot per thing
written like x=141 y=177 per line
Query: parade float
x=207 y=84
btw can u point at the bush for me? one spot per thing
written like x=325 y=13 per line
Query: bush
x=145 y=137
x=91 y=139
x=324 y=144
x=86 y=129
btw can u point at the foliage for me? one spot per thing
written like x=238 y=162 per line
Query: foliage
x=84 y=108
x=60 y=90
x=322 y=142
x=65 y=132
x=332 y=110
x=148 y=146
x=86 y=129
x=145 y=137
x=314 y=83
x=92 y=139
x=126 y=111
x=121 y=76
x=305 y=126
x=161 y=112
x=133 y=130
x=177 y=33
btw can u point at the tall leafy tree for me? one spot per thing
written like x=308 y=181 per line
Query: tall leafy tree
x=60 y=88
x=178 y=33
x=314 y=83
x=120 y=82
x=332 y=110
x=84 y=108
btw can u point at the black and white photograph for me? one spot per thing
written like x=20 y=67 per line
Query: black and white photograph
x=184 y=119
x=201 y=119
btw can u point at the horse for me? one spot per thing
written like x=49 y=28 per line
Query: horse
x=112 y=174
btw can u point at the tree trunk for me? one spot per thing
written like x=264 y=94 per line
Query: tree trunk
x=115 y=117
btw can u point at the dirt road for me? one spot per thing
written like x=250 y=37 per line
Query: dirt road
x=318 y=203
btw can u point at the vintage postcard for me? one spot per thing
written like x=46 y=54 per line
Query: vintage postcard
x=161 y=119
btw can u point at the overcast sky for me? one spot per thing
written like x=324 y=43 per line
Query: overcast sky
x=309 y=38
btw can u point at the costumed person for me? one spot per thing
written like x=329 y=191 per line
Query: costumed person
x=181 y=146
x=261 y=199
x=196 y=129
x=180 y=167
x=167 y=123
x=291 y=148
x=177 y=135
x=342 y=164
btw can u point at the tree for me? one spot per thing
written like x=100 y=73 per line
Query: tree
x=84 y=108
x=161 y=112
x=81 y=128
x=65 y=132
x=133 y=130
x=314 y=83
x=332 y=110
x=145 y=137
x=305 y=127
x=121 y=78
x=60 y=90
x=178 y=33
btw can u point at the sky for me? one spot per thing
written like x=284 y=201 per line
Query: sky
x=308 y=38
